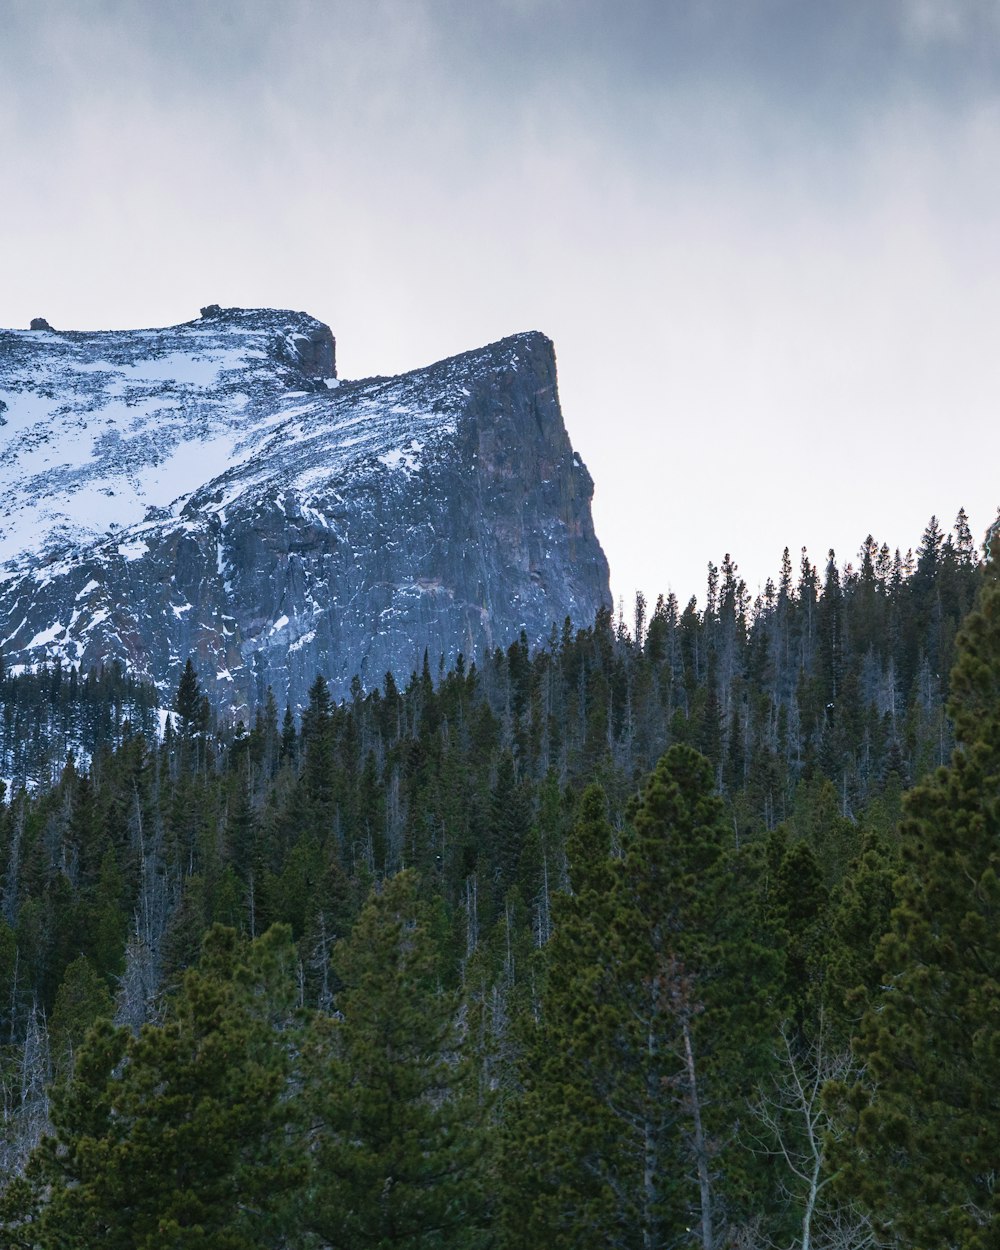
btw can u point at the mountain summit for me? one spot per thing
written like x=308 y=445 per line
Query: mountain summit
x=212 y=490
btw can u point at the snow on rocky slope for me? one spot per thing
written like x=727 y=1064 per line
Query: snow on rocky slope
x=212 y=490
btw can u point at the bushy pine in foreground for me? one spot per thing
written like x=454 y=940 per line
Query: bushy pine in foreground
x=175 y=1136
x=393 y=1126
x=926 y=1143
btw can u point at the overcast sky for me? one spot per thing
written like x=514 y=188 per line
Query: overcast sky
x=764 y=234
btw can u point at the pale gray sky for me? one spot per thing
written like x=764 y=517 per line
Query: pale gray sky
x=762 y=233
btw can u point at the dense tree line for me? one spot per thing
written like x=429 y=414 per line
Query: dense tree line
x=623 y=943
x=50 y=711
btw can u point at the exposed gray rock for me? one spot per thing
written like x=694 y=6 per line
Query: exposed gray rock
x=315 y=353
x=210 y=490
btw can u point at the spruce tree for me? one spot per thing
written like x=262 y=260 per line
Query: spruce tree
x=560 y=1159
x=927 y=1135
x=390 y=1099
x=653 y=1024
x=174 y=1137
x=189 y=702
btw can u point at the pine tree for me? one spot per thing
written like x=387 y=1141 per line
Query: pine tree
x=560 y=1157
x=797 y=905
x=965 y=546
x=175 y=1137
x=189 y=702
x=317 y=779
x=509 y=823
x=390 y=1098
x=653 y=1023
x=928 y=1136
x=859 y=914
x=698 y=952
x=288 y=737
x=82 y=999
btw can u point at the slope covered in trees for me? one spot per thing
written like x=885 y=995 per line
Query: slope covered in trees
x=607 y=918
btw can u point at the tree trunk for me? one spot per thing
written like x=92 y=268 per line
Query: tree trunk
x=700 y=1145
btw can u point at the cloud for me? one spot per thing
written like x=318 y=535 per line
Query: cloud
x=929 y=23
x=760 y=232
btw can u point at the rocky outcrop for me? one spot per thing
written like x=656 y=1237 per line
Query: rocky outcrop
x=273 y=523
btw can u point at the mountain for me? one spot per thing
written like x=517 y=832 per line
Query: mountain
x=212 y=490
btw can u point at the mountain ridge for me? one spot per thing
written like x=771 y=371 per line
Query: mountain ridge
x=214 y=490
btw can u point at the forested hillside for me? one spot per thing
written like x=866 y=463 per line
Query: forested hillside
x=594 y=946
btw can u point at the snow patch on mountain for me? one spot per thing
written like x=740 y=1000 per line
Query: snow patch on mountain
x=206 y=489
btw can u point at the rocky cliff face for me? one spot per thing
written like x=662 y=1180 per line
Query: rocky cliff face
x=211 y=490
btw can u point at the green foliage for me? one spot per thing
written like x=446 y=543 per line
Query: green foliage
x=392 y=1102
x=559 y=1151
x=927 y=1134
x=859 y=914
x=580 y=969
x=82 y=999
x=652 y=1025
x=190 y=702
x=174 y=1136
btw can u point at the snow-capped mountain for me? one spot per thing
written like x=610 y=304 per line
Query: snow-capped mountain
x=212 y=490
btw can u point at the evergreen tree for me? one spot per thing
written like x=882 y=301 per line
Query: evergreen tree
x=189 y=702
x=391 y=1100
x=82 y=999
x=697 y=964
x=471 y=777
x=509 y=823
x=318 y=769
x=653 y=1023
x=174 y=1137
x=797 y=905
x=288 y=737
x=928 y=1135
x=560 y=1161
x=859 y=915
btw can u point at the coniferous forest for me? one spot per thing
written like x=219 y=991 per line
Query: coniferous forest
x=683 y=931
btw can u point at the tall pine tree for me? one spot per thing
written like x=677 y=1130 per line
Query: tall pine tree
x=391 y=1103
x=653 y=1023
x=927 y=1138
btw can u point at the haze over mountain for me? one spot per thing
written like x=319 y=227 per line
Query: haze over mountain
x=761 y=232
x=212 y=490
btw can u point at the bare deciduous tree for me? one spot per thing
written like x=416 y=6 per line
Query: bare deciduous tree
x=25 y=1109
x=795 y=1127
